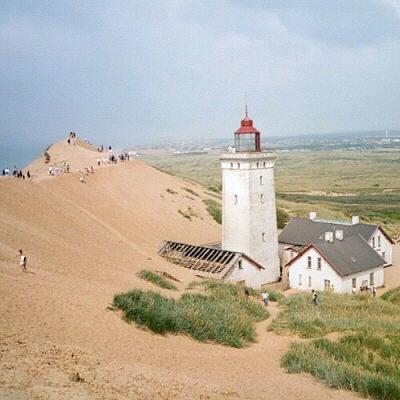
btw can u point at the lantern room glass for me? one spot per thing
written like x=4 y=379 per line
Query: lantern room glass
x=246 y=141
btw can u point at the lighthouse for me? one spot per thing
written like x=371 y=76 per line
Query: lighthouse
x=248 y=207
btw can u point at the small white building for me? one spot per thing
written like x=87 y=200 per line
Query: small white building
x=340 y=264
x=321 y=254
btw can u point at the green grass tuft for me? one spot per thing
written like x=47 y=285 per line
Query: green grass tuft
x=222 y=315
x=191 y=191
x=365 y=359
x=214 y=209
x=392 y=295
x=158 y=280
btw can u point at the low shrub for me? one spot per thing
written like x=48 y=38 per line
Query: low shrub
x=392 y=295
x=351 y=363
x=366 y=359
x=156 y=279
x=214 y=209
x=191 y=191
x=222 y=315
x=275 y=295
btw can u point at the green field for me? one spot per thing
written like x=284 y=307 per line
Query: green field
x=335 y=184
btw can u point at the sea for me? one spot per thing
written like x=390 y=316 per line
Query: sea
x=19 y=155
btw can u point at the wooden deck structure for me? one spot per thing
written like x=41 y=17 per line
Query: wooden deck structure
x=206 y=261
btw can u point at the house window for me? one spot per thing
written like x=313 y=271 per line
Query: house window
x=258 y=164
x=319 y=263
x=240 y=264
x=231 y=164
x=264 y=164
x=384 y=255
x=300 y=280
x=309 y=281
x=238 y=164
x=379 y=241
x=235 y=199
x=262 y=199
x=309 y=262
x=354 y=283
x=327 y=284
x=261 y=180
x=373 y=242
x=371 y=279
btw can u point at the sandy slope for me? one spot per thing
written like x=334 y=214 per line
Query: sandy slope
x=85 y=242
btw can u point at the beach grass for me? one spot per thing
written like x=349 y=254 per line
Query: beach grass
x=158 y=280
x=214 y=209
x=223 y=314
x=366 y=355
x=392 y=295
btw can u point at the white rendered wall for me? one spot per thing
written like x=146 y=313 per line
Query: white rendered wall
x=341 y=284
x=300 y=267
x=362 y=277
x=248 y=273
x=249 y=210
x=382 y=246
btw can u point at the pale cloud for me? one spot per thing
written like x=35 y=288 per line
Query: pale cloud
x=102 y=66
x=395 y=4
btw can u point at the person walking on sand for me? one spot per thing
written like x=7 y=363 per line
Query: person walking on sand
x=22 y=260
x=265 y=297
x=314 y=297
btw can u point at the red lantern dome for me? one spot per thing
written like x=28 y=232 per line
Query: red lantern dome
x=247 y=137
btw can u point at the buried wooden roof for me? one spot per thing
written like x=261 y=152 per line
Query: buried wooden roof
x=206 y=261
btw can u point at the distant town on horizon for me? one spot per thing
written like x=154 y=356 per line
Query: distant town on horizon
x=362 y=140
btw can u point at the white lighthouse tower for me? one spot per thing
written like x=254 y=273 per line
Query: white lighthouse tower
x=248 y=209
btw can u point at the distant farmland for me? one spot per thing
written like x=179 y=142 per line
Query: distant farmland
x=335 y=184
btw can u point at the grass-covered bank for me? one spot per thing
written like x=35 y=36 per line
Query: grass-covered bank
x=365 y=358
x=335 y=185
x=223 y=314
x=365 y=363
x=335 y=313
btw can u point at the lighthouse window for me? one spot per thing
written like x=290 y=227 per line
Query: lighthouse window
x=261 y=180
x=264 y=237
x=262 y=199
x=235 y=199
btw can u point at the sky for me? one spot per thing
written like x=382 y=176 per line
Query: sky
x=131 y=72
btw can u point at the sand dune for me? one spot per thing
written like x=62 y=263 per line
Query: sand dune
x=85 y=242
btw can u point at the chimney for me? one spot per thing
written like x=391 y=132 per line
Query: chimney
x=355 y=220
x=329 y=237
x=339 y=234
x=313 y=215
